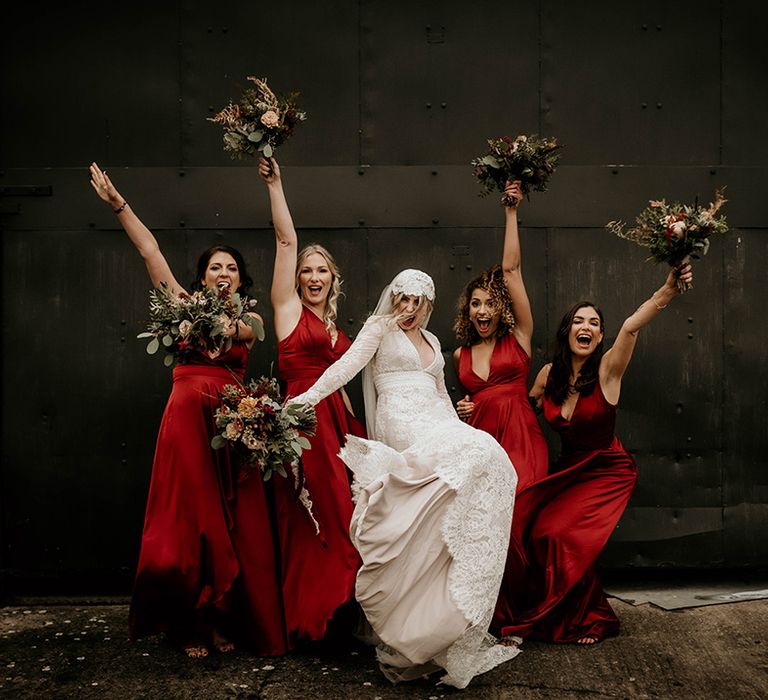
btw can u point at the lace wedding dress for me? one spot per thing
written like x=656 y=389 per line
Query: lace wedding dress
x=434 y=501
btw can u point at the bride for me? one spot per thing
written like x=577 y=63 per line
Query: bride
x=434 y=498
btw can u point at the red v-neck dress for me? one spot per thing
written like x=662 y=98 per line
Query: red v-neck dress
x=551 y=590
x=318 y=572
x=207 y=553
x=502 y=408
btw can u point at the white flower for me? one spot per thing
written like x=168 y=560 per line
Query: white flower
x=184 y=328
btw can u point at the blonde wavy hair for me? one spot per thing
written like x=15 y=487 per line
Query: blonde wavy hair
x=394 y=317
x=330 y=310
x=492 y=282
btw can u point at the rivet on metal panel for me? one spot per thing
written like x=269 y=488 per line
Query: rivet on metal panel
x=435 y=221
x=123 y=462
x=123 y=445
x=688 y=454
x=434 y=172
x=350 y=320
x=690 y=319
x=689 y=439
x=210 y=30
x=658 y=27
x=123 y=322
x=443 y=104
x=645 y=27
x=122 y=338
x=361 y=222
x=181 y=173
x=658 y=105
x=615 y=171
x=469 y=267
x=644 y=105
x=182 y=224
x=690 y=336
x=360 y=171
x=451 y=267
x=429 y=105
x=211 y=108
x=453 y=388
x=224 y=30
x=679 y=408
x=713 y=171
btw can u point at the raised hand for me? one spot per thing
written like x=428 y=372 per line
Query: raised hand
x=104 y=188
x=513 y=194
x=269 y=170
x=680 y=278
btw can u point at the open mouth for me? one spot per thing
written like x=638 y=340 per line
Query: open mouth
x=483 y=324
x=223 y=285
x=583 y=340
x=314 y=289
x=408 y=321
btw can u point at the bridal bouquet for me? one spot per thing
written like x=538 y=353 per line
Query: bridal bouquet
x=182 y=323
x=530 y=159
x=259 y=122
x=675 y=232
x=268 y=436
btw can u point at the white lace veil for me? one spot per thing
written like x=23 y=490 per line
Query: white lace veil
x=416 y=283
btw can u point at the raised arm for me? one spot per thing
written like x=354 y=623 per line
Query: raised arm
x=285 y=301
x=348 y=365
x=615 y=360
x=140 y=235
x=536 y=394
x=511 y=264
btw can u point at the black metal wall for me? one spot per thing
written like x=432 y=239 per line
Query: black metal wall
x=650 y=99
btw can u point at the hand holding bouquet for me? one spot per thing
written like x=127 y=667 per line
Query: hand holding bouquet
x=266 y=434
x=205 y=321
x=529 y=159
x=675 y=232
x=259 y=122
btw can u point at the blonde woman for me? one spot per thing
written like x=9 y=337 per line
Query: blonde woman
x=318 y=571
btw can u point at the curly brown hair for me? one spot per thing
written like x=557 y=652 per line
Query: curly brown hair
x=492 y=282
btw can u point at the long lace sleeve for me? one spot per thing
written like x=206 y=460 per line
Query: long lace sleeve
x=348 y=365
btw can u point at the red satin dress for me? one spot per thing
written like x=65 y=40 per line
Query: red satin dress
x=502 y=408
x=207 y=552
x=551 y=590
x=318 y=571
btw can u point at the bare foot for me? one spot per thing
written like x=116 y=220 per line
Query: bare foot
x=509 y=641
x=588 y=639
x=222 y=644
x=196 y=652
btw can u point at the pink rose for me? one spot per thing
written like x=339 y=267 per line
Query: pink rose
x=270 y=119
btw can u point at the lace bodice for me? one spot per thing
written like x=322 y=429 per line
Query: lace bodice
x=408 y=398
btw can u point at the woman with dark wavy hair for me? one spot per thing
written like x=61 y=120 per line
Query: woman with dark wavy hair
x=551 y=591
x=494 y=325
x=207 y=570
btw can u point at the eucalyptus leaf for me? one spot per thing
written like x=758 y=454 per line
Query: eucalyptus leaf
x=153 y=346
x=267 y=474
x=218 y=442
x=255 y=136
x=305 y=444
x=168 y=360
x=296 y=447
x=256 y=324
x=491 y=161
x=281 y=471
x=167 y=340
x=145 y=335
x=267 y=151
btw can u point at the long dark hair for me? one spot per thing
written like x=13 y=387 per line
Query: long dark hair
x=246 y=282
x=558 y=387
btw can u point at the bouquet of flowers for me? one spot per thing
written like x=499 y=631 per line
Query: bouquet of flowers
x=268 y=436
x=259 y=122
x=675 y=232
x=530 y=159
x=182 y=323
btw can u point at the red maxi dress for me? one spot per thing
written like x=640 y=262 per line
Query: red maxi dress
x=318 y=571
x=502 y=408
x=207 y=551
x=551 y=590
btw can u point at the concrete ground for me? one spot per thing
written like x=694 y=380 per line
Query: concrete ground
x=81 y=651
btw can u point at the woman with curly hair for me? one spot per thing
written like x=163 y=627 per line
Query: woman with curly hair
x=551 y=591
x=318 y=571
x=494 y=325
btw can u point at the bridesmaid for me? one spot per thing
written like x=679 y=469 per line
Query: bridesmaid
x=494 y=326
x=318 y=571
x=551 y=591
x=207 y=569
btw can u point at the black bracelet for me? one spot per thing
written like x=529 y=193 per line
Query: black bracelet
x=121 y=207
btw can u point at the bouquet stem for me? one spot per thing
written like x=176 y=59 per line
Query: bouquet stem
x=682 y=287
